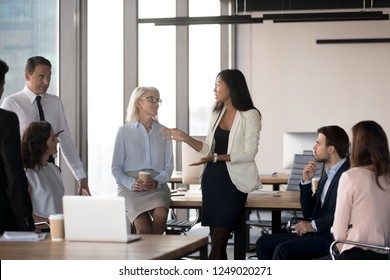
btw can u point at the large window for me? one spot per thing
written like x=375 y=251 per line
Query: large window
x=157 y=62
x=28 y=28
x=105 y=90
x=157 y=56
x=204 y=64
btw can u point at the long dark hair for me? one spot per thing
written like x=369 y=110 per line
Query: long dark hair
x=34 y=144
x=371 y=148
x=238 y=90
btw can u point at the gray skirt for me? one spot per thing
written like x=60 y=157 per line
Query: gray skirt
x=140 y=202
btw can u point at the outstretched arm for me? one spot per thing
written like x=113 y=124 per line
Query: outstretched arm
x=178 y=135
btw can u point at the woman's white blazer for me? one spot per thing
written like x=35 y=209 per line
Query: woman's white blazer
x=243 y=145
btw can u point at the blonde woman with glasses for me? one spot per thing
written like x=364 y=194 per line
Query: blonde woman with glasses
x=139 y=146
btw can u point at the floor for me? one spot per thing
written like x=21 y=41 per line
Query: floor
x=254 y=234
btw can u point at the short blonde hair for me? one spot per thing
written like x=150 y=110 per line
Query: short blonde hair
x=132 y=109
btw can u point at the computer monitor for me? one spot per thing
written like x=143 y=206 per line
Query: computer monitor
x=297 y=143
x=191 y=174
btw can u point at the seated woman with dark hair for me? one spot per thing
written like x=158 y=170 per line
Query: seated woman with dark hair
x=363 y=208
x=45 y=183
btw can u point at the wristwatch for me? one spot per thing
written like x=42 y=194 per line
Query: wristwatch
x=215 y=157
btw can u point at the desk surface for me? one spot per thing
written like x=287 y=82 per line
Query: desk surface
x=282 y=200
x=287 y=200
x=154 y=247
x=279 y=178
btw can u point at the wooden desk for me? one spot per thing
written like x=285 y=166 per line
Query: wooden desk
x=288 y=200
x=150 y=247
x=176 y=179
x=274 y=180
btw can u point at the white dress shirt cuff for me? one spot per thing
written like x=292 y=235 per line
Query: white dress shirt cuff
x=313 y=224
x=79 y=174
x=305 y=182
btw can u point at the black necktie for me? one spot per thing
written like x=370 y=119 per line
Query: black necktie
x=42 y=118
x=41 y=115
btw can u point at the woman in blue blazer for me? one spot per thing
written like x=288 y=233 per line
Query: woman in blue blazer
x=231 y=145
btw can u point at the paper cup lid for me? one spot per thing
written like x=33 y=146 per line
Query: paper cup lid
x=144 y=172
x=56 y=217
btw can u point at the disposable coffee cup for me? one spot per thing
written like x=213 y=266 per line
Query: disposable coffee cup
x=145 y=176
x=57 y=227
x=314 y=184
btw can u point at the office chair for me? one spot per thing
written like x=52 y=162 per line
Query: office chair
x=42 y=226
x=177 y=226
x=190 y=176
x=181 y=226
x=335 y=253
x=300 y=161
x=264 y=225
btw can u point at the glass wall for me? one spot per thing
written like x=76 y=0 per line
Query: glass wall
x=204 y=64
x=156 y=67
x=28 y=28
x=157 y=56
x=105 y=90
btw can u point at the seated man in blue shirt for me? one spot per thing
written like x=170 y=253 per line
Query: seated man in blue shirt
x=312 y=238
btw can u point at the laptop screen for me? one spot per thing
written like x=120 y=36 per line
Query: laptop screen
x=88 y=218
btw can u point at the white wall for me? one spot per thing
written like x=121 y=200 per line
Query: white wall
x=299 y=85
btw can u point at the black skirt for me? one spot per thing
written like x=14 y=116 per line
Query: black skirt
x=222 y=202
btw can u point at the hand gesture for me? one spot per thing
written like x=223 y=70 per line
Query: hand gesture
x=174 y=134
x=203 y=160
x=309 y=171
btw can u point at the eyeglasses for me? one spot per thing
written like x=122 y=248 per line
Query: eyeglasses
x=152 y=99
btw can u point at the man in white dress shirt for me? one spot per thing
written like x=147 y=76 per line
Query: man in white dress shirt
x=24 y=104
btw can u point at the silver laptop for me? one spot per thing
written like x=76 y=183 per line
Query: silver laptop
x=100 y=218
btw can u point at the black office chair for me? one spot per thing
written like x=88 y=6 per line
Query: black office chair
x=335 y=253
x=42 y=226
x=300 y=161
x=259 y=222
x=177 y=226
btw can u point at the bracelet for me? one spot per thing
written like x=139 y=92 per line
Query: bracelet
x=215 y=157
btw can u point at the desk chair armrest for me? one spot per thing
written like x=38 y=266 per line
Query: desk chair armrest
x=335 y=253
x=42 y=226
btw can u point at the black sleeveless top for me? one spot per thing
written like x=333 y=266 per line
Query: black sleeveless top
x=221 y=137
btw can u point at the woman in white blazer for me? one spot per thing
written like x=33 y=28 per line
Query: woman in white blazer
x=231 y=145
x=363 y=199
